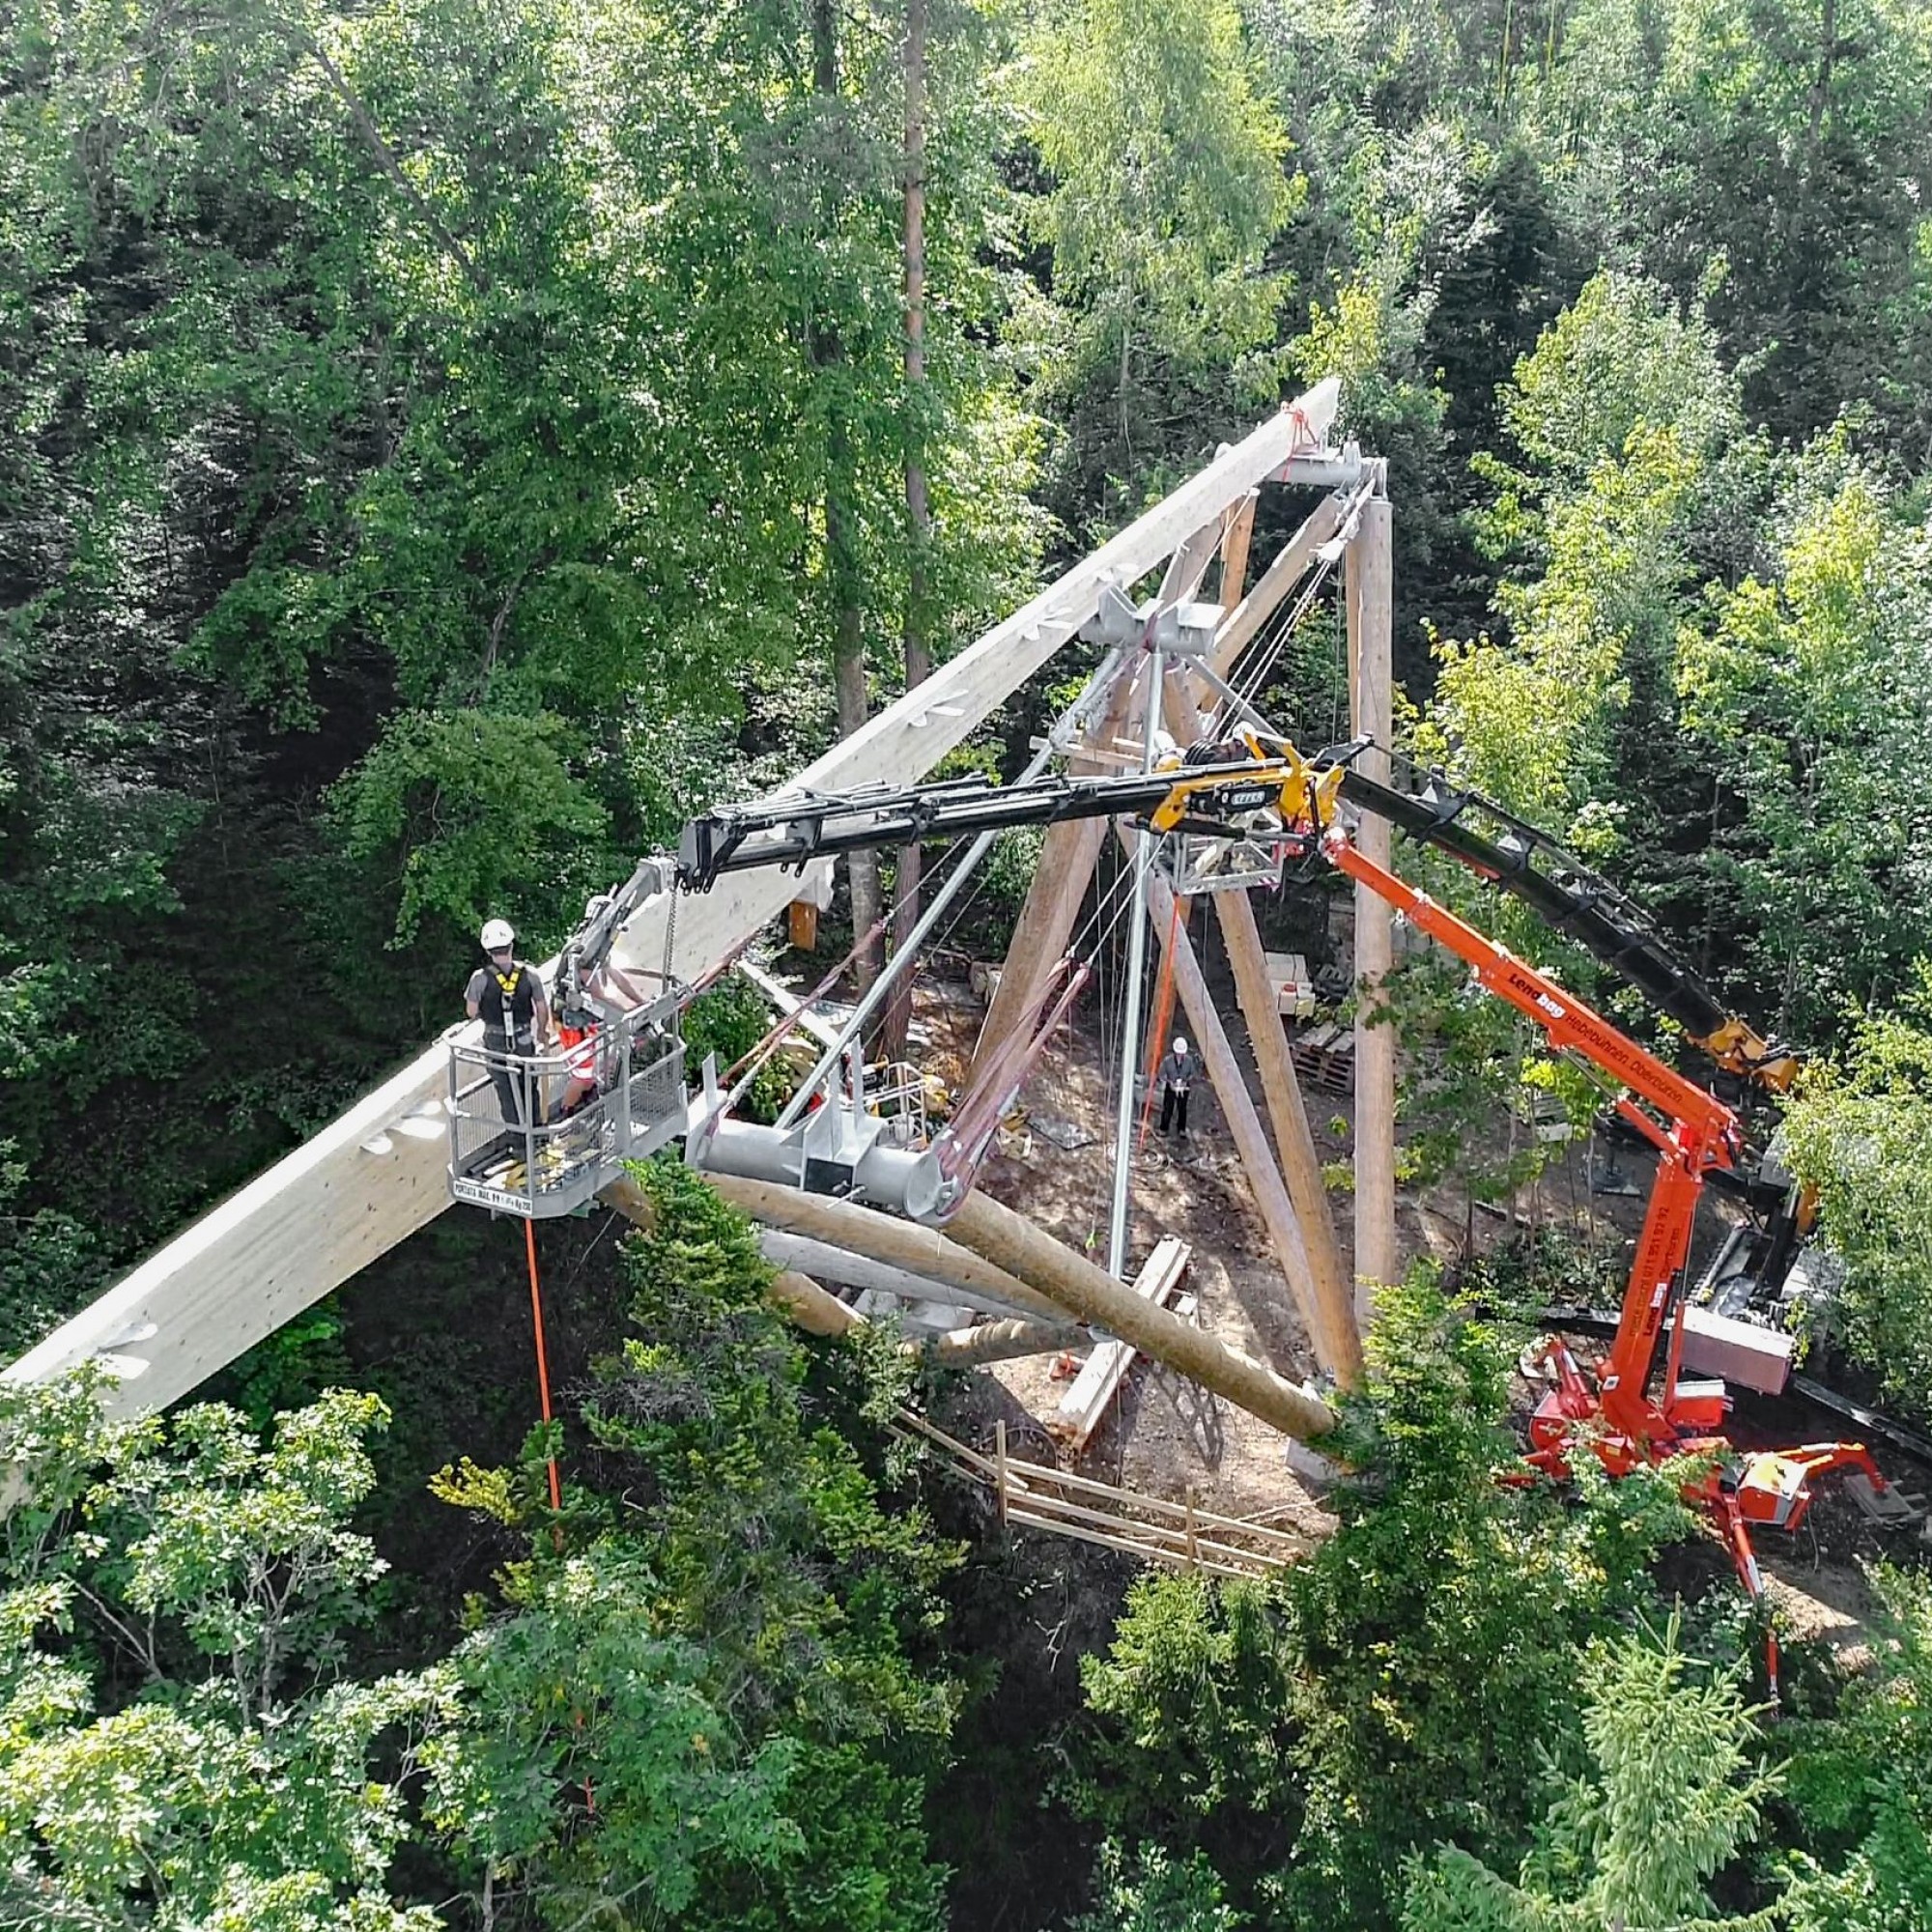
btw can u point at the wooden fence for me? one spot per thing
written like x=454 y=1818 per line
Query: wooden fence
x=1151 y=1527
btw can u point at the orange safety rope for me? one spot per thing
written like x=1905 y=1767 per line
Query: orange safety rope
x=1164 y=1018
x=542 y=1362
x=556 y=1487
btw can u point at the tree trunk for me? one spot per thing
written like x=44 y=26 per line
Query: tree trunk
x=1011 y=1241
x=918 y=515
x=842 y=545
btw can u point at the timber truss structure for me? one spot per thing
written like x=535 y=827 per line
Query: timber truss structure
x=1173 y=668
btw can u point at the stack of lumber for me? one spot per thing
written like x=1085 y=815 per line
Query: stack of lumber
x=1325 y=1056
x=1084 y=1406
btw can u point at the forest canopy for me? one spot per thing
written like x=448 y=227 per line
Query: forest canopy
x=447 y=442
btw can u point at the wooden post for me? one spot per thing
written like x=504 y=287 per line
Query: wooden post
x=1331 y=1340
x=1001 y=1342
x=1193 y=1551
x=1234 y=547
x=1294 y=1141
x=1371 y=625
x=1188 y=564
x=1012 y=1242
x=865 y=1230
x=999 y=1464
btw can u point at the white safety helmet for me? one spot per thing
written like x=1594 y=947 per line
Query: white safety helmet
x=498 y=933
x=1180 y=1045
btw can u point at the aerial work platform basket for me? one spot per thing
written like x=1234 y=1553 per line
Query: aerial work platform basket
x=512 y=1149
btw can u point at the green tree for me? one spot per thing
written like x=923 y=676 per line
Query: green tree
x=1672 y=1798
x=1859 y=1781
x=176 y=1747
x=1807 y=687
x=709 y=1704
x=1860 y=1135
x=1166 y=164
x=1154 y=1892
x=1399 y=1683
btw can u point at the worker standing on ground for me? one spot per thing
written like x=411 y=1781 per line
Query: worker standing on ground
x=1176 y=1074
x=507 y=995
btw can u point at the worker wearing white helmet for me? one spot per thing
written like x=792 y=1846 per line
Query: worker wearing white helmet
x=507 y=995
x=1176 y=1074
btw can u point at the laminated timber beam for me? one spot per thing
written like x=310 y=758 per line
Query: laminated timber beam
x=1337 y=1344
x=1326 y=1302
x=1071 y=849
x=1238 y=629
x=375 y=1176
x=1294 y=1141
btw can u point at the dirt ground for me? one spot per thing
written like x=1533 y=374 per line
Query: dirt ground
x=1165 y=1435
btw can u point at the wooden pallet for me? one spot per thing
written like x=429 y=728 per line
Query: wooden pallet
x=1324 y=1057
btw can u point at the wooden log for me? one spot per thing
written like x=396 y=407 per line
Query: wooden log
x=1013 y=1243
x=328 y=1209
x=1083 y=1406
x=1332 y=1345
x=1002 y=1342
x=1369 y=593
x=863 y=1231
x=820 y=1312
x=810 y=1306
x=1294 y=1142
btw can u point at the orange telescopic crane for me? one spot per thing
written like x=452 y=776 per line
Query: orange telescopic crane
x=1636 y=1407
